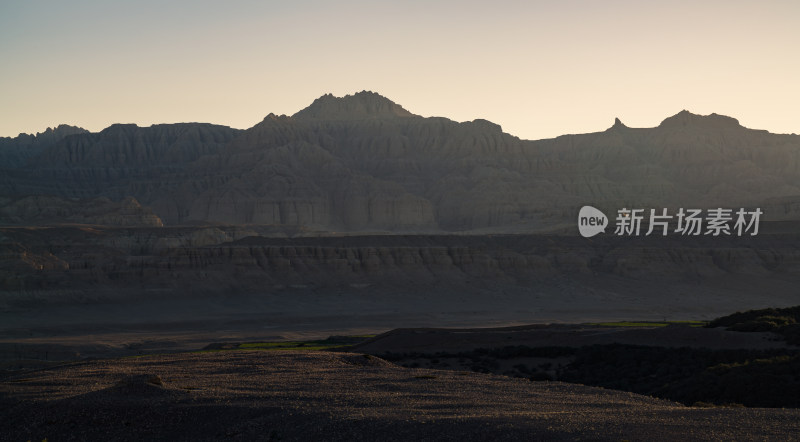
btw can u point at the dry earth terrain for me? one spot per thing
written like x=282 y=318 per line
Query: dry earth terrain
x=264 y=395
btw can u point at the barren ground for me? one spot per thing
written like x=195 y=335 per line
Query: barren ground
x=247 y=395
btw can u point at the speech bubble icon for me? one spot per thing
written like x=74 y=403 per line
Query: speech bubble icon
x=591 y=221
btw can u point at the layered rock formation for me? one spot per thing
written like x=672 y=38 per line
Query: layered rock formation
x=51 y=210
x=189 y=221
x=509 y=276
x=364 y=163
x=195 y=258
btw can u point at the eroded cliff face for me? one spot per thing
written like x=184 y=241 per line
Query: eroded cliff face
x=122 y=161
x=220 y=260
x=66 y=279
x=363 y=163
x=15 y=152
x=50 y=210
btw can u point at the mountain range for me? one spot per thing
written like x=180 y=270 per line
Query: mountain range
x=363 y=163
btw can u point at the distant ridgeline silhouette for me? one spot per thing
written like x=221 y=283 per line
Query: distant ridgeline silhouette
x=364 y=163
x=364 y=104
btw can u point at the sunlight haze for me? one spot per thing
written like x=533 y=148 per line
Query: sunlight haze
x=539 y=69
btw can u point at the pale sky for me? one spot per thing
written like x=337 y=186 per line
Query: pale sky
x=538 y=68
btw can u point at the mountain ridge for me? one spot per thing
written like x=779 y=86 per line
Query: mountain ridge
x=363 y=163
x=368 y=104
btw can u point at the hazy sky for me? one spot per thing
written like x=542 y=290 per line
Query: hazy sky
x=538 y=68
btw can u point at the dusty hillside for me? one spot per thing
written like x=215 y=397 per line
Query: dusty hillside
x=327 y=396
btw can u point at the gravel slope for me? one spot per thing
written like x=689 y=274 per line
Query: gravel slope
x=261 y=395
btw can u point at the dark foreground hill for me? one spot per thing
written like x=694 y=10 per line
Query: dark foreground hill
x=680 y=361
x=259 y=395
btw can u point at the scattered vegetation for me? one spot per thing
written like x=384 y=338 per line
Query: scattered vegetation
x=782 y=321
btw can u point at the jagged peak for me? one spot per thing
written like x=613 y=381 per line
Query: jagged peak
x=275 y=117
x=47 y=136
x=686 y=118
x=364 y=104
x=618 y=125
x=62 y=129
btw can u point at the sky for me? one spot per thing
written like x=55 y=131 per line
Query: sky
x=538 y=68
